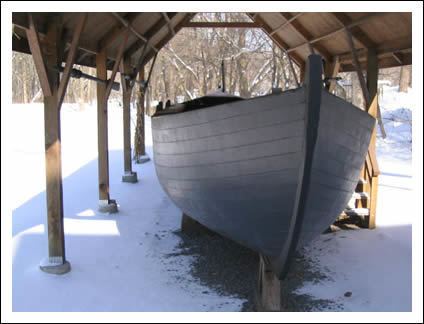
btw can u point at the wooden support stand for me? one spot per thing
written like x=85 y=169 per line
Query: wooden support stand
x=268 y=298
x=129 y=175
x=372 y=87
x=369 y=90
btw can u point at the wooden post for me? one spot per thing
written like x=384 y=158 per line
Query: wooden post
x=140 y=155
x=332 y=69
x=45 y=61
x=269 y=288
x=302 y=73
x=372 y=85
x=129 y=175
x=105 y=203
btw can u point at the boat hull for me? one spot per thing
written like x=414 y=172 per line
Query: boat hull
x=262 y=171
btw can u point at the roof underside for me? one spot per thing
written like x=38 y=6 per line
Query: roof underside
x=298 y=33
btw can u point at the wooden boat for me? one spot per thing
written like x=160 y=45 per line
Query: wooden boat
x=270 y=172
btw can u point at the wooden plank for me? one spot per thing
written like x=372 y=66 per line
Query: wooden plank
x=373 y=202
x=102 y=128
x=286 y=23
x=358 y=68
x=336 y=31
x=38 y=57
x=269 y=288
x=72 y=53
x=372 y=108
x=126 y=100
x=116 y=64
x=132 y=29
x=168 y=22
x=54 y=191
x=208 y=24
x=357 y=33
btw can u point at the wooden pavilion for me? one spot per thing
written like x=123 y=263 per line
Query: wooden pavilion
x=126 y=42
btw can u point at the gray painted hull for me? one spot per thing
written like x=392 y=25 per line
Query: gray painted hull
x=239 y=168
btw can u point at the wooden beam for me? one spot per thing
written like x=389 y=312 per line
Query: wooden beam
x=116 y=64
x=336 y=31
x=357 y=32
x=332 y=69
x=358 y=69
x=382 y=51
x=113 y=34
x=398 y=56
x=372 y=86
x=149 y=34
x=286 y=23
x=210 y=24
x=167 y=38
x=132 y=29
x=56 y=261
x=38 y=57
x=168 y=22
x=72 y=53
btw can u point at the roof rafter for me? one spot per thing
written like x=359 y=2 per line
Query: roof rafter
x=168 y=22
x=306 y=35
x=116 y=31
x=276 y=38
x=356 y=31
x=148 y=35
x=338 y=30
x=286 y=23
x=165 y=40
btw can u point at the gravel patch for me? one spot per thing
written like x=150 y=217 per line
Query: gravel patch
x=231 y=270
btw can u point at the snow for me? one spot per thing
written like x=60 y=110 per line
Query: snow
x=119 y=261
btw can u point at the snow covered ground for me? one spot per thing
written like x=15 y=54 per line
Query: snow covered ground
x=120 y=262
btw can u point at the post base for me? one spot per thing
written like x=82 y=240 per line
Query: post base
x=55 y=265
x=141 y=159
x=130 y=177
x=268 y=291
x=108 y=206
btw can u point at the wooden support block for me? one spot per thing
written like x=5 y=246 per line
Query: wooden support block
x=373 y=203
x=191 y=226
x=268 y=297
